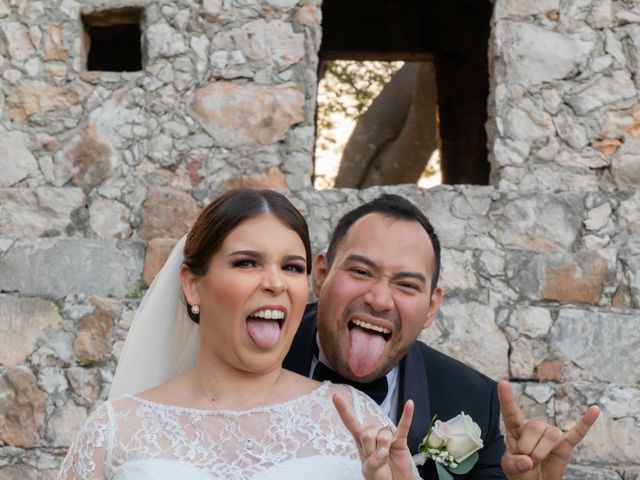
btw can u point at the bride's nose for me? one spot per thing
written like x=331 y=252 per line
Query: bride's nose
x=273 y=281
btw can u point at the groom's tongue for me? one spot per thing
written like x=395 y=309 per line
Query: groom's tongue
x=365 y=349
x=264 y=333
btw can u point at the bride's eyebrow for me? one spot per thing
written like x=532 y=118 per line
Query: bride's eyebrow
x=246 y=253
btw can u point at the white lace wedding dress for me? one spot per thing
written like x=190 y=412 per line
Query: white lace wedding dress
x=304 y=438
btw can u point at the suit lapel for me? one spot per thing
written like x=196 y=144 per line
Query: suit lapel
x=300 y=354
x=414 y=386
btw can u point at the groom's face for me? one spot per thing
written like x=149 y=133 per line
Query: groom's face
x=374 y=299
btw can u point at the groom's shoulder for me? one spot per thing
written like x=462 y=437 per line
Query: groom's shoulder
x=441 y=368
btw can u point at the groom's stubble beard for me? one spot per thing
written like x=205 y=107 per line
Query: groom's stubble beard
x=337 y=350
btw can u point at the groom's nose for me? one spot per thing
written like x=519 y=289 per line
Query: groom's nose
x=379 y=297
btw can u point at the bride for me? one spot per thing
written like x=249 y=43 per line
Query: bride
x=205 y=350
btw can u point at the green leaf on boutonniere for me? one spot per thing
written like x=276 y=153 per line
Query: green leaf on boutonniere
x=443 y=474
x=466 y=465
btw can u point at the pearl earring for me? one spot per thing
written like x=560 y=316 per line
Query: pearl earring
x=195 y=309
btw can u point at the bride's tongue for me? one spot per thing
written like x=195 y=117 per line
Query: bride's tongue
x=365 y=350
x=264 y=333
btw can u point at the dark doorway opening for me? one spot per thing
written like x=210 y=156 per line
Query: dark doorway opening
x=113 y=40
x=452 y=38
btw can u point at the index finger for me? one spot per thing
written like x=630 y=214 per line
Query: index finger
x=349 y=420
x=580 y=429
x=405 y=422
x=511 y=413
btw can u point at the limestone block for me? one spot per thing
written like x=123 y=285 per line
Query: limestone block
x=542 y=224
x=610 y=441
x=626 y=171
x=86 y=160
x=531 y=321
x=164 y=42
x=167 y=213
x=244 y=114
x=86 y=383
x=550 y=370
x=24 y=322
x=211 y=9
x=535 y=55
x=527 y=122
x=18 y=41
x=578 y=472
x=52 y=380
x=92 y=339
x=16 y=160
x=457 y=272
x=472 y=337
x=158 y=250
x=579 y=277
x=282 y=4
x=22 y=408
x=629 y=213
x=65 y=423
x=436 y=204
x=493 y=262
x=620 y=401
x=109 y=219
x=605 y=90
x=53 y=48
x=611 y=349
x=308 y=15
x=576 y=278
x=522 y=359
x=30 y=213
x=96 y=266
x=570 y=131
x=265 y=43
x=598 y=217
x=517 y=8
x=24 y=471
x=34 y=97
x=4 y=9
x=274 y=179
x=633 y=267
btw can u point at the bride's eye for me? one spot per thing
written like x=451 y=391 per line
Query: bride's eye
x=295 y=268
x=244 y=263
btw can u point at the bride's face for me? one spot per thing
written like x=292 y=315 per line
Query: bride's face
x=253 y=295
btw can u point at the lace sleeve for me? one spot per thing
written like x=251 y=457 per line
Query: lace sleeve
x=88 y=456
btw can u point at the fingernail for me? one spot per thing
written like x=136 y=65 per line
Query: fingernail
x=382 y=453
x=522 y=466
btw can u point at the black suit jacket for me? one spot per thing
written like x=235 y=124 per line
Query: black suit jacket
x=438 y=385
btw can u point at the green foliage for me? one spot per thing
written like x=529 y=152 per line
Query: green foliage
x=347 y=90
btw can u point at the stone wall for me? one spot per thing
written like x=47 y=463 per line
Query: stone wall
x=101 y=172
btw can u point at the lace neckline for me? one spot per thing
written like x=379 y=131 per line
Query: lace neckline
x=316 y=392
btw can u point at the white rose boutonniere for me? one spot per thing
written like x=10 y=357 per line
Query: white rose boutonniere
x=452 y=445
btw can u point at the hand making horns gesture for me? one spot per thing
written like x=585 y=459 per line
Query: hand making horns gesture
x=383 y=452
x=535 y=449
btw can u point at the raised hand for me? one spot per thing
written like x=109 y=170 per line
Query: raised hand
x=537 y=450
x=383 y=452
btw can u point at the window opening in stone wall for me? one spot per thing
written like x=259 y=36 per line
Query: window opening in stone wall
x=113 y=40
x=402 y=94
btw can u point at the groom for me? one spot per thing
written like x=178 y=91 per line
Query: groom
x=377 y=289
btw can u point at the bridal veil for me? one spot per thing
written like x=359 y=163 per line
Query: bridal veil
x=162 y=341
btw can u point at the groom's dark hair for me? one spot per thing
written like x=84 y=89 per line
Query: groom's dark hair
x=394 y=207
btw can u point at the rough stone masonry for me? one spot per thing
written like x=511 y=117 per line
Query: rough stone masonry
x=101 y=172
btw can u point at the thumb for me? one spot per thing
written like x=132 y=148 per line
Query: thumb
x=513 y=465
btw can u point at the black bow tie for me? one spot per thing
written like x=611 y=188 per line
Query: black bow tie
x=376 y=389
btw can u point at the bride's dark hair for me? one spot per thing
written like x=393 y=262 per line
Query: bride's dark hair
x=228 y=211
